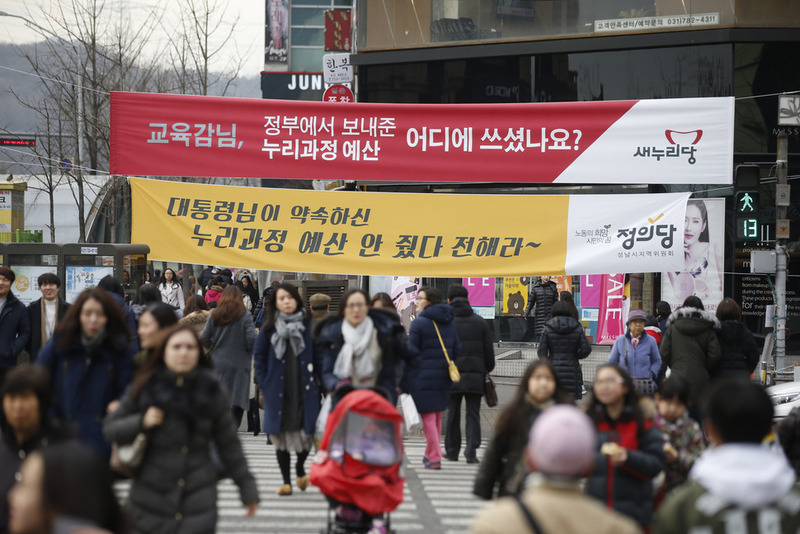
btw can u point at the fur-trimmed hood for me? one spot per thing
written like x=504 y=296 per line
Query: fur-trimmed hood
x=696 y=319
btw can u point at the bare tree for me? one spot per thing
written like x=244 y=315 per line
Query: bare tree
x=196 y=43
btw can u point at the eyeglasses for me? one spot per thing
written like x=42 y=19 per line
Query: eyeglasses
x=355 y=305
x=421 y=298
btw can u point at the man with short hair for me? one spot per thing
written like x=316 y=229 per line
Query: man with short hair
x=561 y=448
x=475 y=360
x=15 y=328
x=738 y=485
x=44 y=313
x=320 y=305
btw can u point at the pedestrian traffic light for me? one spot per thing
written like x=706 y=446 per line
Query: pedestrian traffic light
x=747 y=225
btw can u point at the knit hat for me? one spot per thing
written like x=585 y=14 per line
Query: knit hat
x=562 y=442
x=319 y=301
x=636 y=315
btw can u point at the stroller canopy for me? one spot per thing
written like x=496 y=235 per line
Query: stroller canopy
x=361 y=454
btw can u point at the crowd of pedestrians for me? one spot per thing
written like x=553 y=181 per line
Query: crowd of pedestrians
x=173 y=371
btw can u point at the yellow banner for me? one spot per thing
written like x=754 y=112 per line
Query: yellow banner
x=351 y=232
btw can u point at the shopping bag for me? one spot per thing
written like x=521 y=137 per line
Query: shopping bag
x=322 y=419
x=410 y=413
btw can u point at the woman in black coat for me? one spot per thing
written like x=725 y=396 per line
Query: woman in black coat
x=739 y=350
x=503 y=469
x=180 y=405
x=564 y=343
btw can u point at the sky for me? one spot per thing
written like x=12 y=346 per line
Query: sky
x=248 y=39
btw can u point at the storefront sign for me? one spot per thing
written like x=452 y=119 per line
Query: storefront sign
x=687 y=140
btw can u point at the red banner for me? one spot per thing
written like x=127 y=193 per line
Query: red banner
x=578 y=142
x=337 y=30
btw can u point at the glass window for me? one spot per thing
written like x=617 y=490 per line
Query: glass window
x=308 y=37
x=307 y=59
x=308 y=16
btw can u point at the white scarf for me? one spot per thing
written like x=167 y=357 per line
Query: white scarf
x=356 y=342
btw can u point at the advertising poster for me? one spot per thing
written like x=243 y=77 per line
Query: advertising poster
x=610 y=321
x=84 y=277
x=703 y=248
x=563 y=282
x=481 y=295
x=404 y=296
x=590 y=290
x=26 y=286
x=515 y=296
x=277 y=33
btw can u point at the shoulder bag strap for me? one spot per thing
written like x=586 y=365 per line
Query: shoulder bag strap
x=529 y=516
x=627 y=366
x=447 y=356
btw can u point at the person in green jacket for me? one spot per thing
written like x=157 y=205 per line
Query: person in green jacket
x=738 y=485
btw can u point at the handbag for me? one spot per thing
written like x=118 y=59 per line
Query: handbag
x=126 y=459
x=642 y=385
x=455 y=376
x=489 y=391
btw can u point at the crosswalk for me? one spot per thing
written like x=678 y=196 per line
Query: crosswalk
x=434 y=501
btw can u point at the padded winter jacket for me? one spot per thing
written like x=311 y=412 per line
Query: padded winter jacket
x=431 y=391
x=477 y=352
x=739 y=350
x=564 y=343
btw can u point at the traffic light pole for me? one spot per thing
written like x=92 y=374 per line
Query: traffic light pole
x=781 y=173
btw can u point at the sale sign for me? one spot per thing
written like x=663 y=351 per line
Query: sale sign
x=687 y=140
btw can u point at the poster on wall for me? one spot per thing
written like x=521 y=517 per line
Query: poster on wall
x=481 y=295
x=610 y=320
x=26 y=285
x=515 y=295
x=703 y=248
x=277 y=33
x=80 y=278
x=404 y=296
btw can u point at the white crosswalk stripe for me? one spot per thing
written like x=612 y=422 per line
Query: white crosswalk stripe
x=435 y=501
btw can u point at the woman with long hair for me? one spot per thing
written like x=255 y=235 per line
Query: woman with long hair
x=284 y=357
x=171 y=290
x=630 y=449
x=146 y=295
x=91 y=364
x=180 y=406
x=230 y=336
x=503 y=470
x=65 y=488
x=153 y=322
x=249 y=291
x=196 y=313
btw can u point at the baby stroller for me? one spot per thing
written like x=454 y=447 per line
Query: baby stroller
x=358 y=465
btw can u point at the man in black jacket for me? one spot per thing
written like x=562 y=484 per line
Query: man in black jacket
x=15 y=328
x=543 y=295
x=45 y=313
x=476 y=359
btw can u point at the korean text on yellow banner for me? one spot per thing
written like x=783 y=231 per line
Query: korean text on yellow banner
x=406 y=234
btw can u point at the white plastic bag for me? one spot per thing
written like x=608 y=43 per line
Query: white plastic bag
x=410 y=413
x=322 y=419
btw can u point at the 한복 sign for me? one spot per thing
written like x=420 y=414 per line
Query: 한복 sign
x=687 y=140
x=408 y=234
